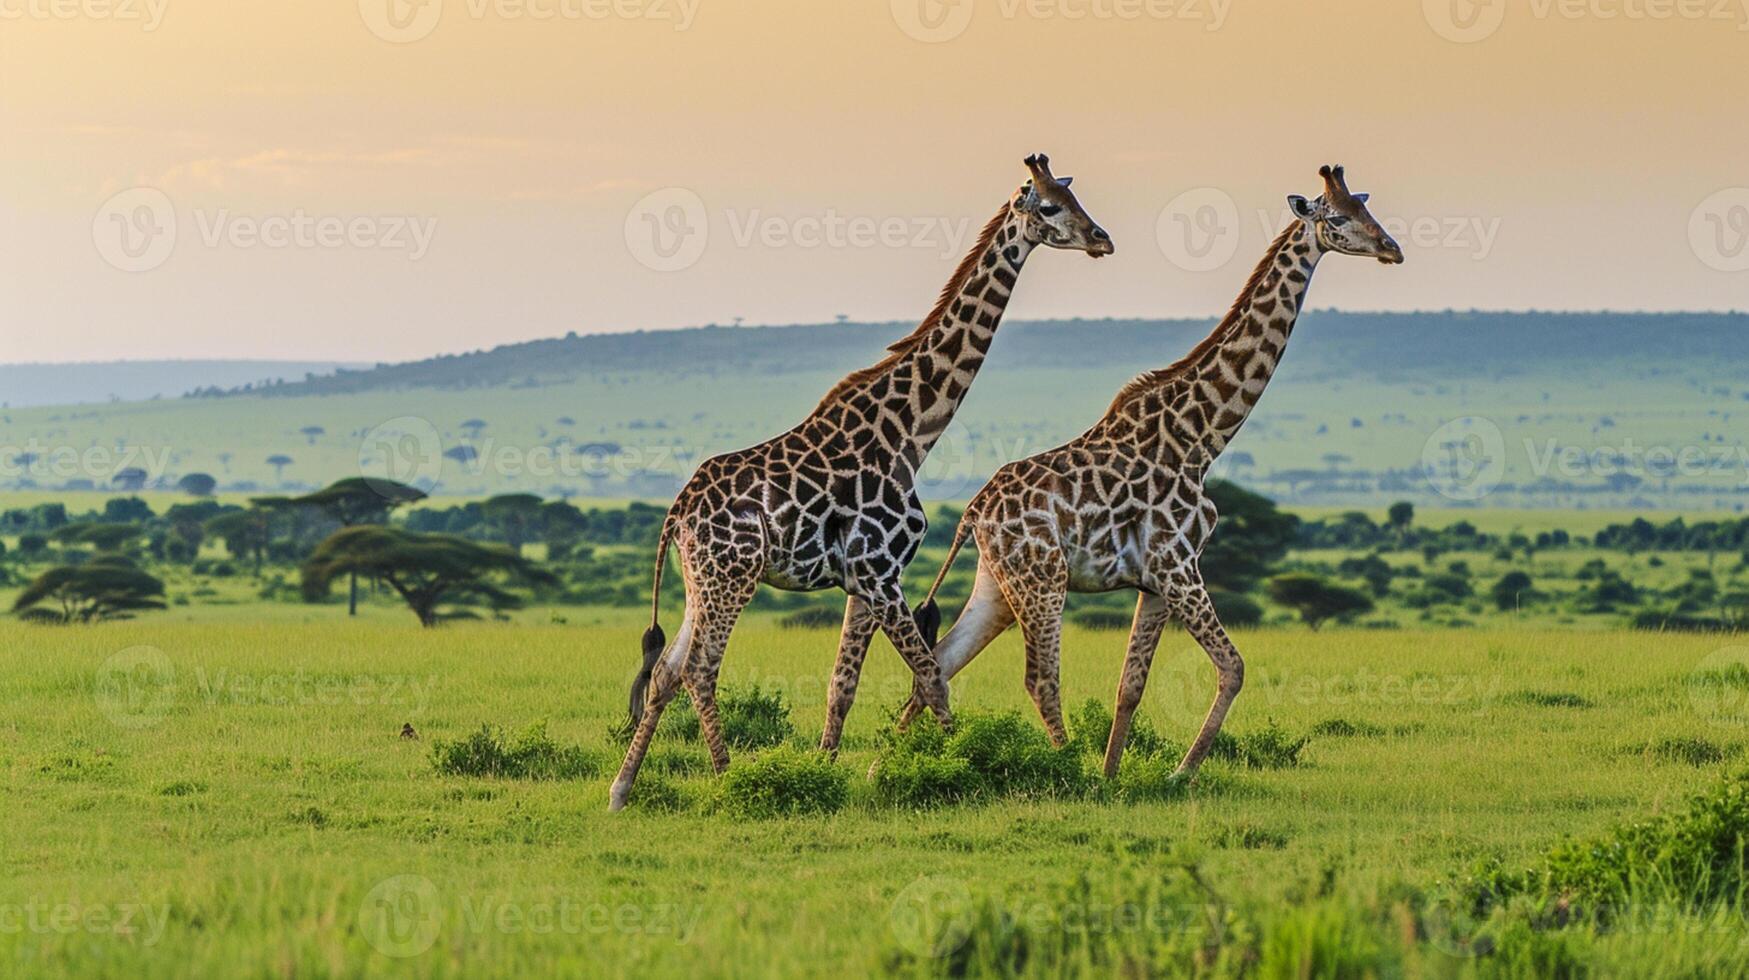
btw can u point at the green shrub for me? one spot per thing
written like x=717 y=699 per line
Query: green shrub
x=751 y=719
x=1693 y=751
x=1270 y=747
x=1090 y=730
x=530 y=755
x=785 y=782
x=1150 y=780
x=987 y=756
x=1547 y=699
x=1343 y=728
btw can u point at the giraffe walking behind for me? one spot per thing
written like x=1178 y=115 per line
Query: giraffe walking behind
x=1122 y=506
x=831 y=502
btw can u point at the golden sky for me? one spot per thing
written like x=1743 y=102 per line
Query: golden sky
x=373 y=179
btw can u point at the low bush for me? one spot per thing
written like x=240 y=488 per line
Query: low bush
x=987 y=756
x=785 y=782
x=751 y=718
x=529 y=755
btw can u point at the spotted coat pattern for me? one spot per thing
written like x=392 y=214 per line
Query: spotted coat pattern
x=1123 y=507
x=831 y=502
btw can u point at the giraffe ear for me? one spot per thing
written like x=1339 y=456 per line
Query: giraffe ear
x=1302 y=208
x=1361 y=197
x=1065 y=181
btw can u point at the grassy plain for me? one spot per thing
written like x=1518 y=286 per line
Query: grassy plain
x=238 y=792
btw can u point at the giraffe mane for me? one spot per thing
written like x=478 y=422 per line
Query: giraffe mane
x=1181 y=367
x=911 y=341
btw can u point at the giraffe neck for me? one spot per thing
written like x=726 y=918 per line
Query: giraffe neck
x=1197 y=406
x=914 y=392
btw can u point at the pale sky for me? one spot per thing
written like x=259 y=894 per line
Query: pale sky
x=356 y=181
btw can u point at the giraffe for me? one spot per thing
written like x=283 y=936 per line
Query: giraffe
x=1122 y=505
x=831 y=502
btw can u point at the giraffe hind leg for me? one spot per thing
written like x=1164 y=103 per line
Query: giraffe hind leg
x=986 y=616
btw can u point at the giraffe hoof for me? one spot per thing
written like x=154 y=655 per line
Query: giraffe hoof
x=616 y=798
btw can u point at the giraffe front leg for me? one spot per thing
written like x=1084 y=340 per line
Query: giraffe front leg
x=894 y=617
x=1152 y=614
x=1198 y=616
x=986 y=616
x=859 y=627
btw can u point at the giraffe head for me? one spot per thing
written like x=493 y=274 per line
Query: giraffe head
x=1050 y=215
x=1342 y=222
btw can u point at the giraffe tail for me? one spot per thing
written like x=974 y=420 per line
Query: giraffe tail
x=655 y=641
x=928 y=615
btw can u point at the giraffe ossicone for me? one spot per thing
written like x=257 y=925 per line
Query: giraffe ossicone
x=1122 y=505
x=832 y=502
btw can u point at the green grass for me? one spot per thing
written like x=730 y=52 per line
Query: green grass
x=253 y=809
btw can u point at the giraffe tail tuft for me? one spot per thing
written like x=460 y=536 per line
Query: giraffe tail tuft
x=655 y=641
x=928 y=617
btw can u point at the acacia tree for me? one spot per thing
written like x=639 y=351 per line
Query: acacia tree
x=279 y=461
x=197 y=484
x=247 y=532
x=108 y=587
x=515 y=515
x=356 y=501
x=1316 y=599
x=429 y=571
x=107 y=538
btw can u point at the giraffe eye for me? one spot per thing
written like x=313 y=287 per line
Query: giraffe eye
x=1051 y=210
x=1338 y=220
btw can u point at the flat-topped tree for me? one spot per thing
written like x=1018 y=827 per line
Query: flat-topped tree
x=197 y=484
x=517 y=516
x=429 y=571
x=104 y=588
x=106 y=538
x=355 y=501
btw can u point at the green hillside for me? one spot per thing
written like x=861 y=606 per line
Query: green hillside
x=1621 y=411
